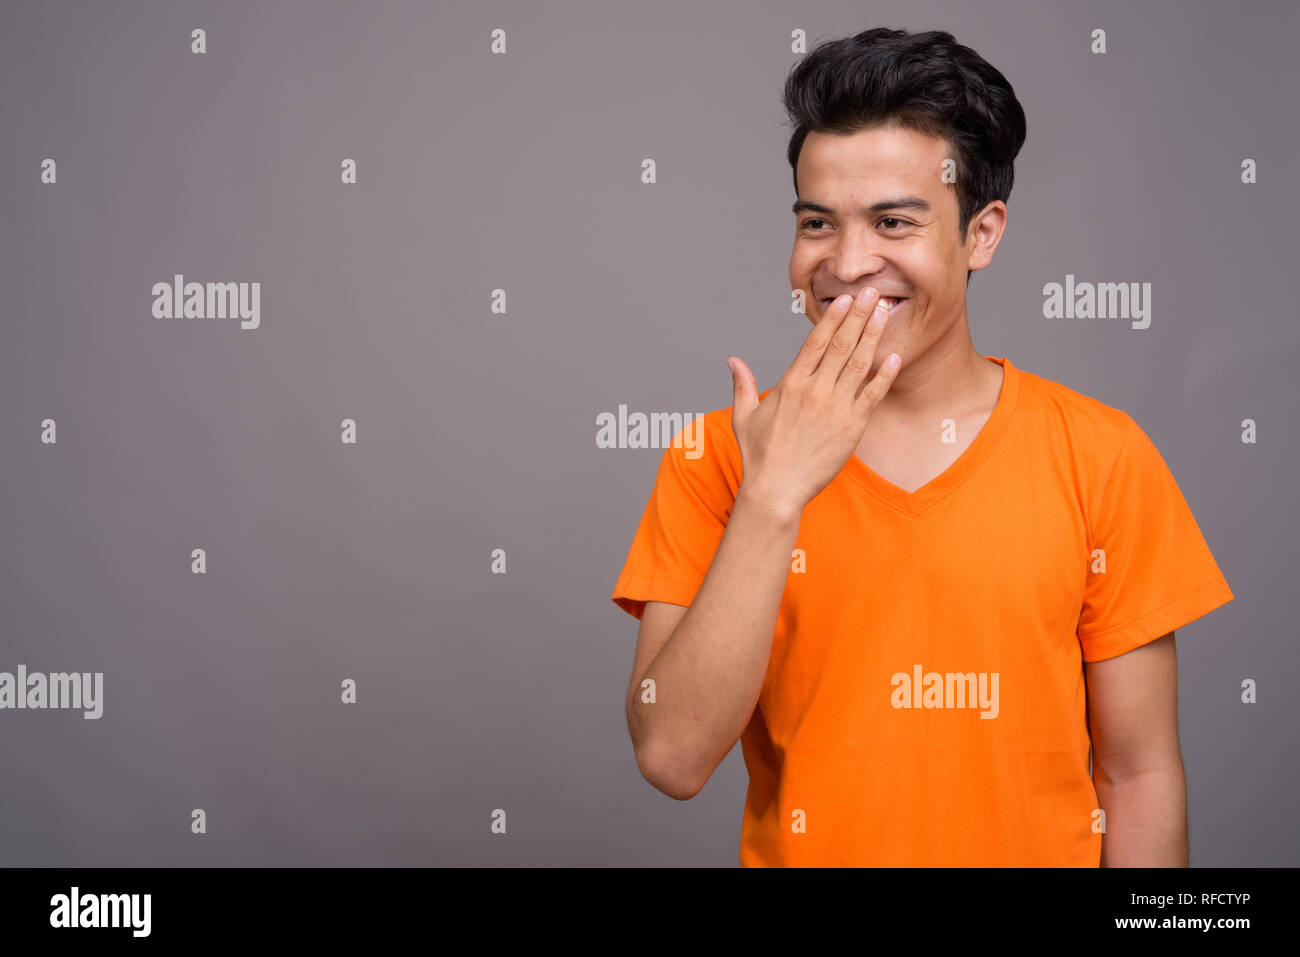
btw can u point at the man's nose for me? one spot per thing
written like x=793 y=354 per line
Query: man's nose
x=856 y=253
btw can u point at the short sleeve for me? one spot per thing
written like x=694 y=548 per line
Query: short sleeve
x=682 y=524
x=1158 y=572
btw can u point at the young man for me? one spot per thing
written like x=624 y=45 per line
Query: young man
x=918 y=593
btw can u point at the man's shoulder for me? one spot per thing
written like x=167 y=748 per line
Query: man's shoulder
x=1081 y=418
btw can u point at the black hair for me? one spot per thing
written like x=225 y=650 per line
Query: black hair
x=926 y=82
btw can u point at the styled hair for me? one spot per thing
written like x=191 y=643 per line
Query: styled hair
x=927 y=82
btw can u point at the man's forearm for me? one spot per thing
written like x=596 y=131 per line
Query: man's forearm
x=710 y=671
x=1146 y=818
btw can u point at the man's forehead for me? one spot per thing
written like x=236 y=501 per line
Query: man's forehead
x=862 y=171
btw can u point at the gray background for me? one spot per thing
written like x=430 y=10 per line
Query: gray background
x=477 y=431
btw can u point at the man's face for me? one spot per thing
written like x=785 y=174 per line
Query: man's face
x=910 y=251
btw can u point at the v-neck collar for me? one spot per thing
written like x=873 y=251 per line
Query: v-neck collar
x=914 y=503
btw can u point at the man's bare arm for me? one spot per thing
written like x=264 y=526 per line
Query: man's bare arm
x=709 y=671
x=1137 y=765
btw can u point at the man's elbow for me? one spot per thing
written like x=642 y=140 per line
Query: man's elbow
x=668 y=773
x=1119 y=767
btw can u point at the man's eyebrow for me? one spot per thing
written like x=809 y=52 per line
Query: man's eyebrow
x=899 y=202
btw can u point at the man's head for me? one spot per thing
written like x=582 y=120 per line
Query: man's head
x=876 y=116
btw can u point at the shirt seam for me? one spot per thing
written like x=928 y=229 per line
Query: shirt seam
x=1093 y=636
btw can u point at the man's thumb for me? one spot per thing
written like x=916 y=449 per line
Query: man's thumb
x=744 y=390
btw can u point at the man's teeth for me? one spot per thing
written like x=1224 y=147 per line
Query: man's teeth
x=889 y=303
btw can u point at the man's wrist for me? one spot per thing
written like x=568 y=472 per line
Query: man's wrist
x=770 y=504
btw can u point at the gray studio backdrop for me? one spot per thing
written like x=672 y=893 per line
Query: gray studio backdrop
x=475 y=429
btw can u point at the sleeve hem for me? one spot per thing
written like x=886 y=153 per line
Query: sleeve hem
x=634 y=589
x=1160 y=621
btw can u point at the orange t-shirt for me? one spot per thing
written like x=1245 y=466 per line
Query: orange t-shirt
x=924 y=702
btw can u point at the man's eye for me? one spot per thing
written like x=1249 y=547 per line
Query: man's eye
x=888 y=219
